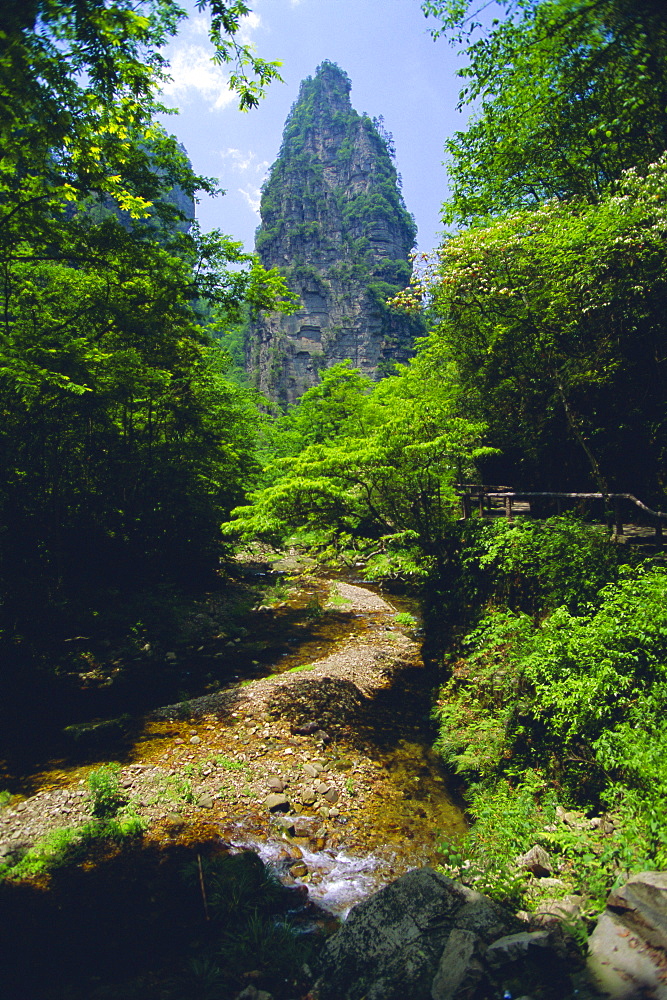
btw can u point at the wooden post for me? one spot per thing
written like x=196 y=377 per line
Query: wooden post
x=465 y=506
x=559 y=506
x=481 y=499
x=508 y=508
x=618 y=528
x=658 y=536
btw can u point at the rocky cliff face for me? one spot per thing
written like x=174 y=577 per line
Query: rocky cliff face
x=334 y=222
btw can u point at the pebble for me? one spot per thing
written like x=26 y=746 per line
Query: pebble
x=276 y=801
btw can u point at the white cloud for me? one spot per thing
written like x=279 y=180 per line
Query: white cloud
x=247 y=25
x=245 y=162
x=192 y=72
x=253 y=197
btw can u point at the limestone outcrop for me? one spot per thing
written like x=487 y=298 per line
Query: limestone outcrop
x=427 y=937
x=628 y=948
x=334 y=223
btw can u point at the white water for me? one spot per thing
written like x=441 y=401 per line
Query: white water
x=336 y=880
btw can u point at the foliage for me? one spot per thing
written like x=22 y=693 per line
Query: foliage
x=554 y=320
x=477 y=706
x=580 y=696
x=534 y=566
x=244 y=899
x=566 y=95
x=376 y=466
x=123 y=434
x=509 y=819
x=105 y=791
x=70 y=845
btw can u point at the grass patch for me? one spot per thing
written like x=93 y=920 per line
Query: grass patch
x=338 y=601
x=70 y=845
x=300 y=668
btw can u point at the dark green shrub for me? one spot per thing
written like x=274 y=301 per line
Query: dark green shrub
x=105 y=791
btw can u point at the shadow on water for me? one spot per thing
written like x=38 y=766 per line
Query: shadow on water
x=136 y=924
x=59 y=723
x=126 y=913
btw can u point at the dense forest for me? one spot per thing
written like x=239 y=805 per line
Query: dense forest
x=137 y=461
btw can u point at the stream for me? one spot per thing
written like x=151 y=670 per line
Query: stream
x=343 y=707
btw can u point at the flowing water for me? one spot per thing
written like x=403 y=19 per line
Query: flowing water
x=398 y=828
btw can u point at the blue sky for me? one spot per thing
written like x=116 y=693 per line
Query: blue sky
x=397 y=71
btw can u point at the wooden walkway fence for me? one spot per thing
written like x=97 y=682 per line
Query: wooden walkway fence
x=497 y=500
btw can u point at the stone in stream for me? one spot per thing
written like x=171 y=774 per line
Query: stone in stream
x=275 y=802
x=275 y=784
x=426 y=937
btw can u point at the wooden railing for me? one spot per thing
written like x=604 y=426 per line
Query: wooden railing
x=481 y=496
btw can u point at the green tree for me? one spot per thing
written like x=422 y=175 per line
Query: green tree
x=566 y=95
x=123 y=442
x=371 y=470
x=554 y=319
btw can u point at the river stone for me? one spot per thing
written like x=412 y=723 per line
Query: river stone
x=458 y=968
x=311 y=771
x=642 y=906
x=276 y=785
x=332 y=795
x=305 y=826
x=276 y=802
x=514 y=947
x=628 y=948
x=391 y=945
x=536 y=860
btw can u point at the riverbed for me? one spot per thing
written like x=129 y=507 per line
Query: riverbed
x=323 y=765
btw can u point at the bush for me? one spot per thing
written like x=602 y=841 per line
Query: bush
x=105 y=791
x=535 y=566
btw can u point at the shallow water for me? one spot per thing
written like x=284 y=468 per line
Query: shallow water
x=402 y=824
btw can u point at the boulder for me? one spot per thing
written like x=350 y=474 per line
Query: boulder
x=642 y=905
x=400 y=943
x=515 y=947
x=536 y=860
x=628 y=948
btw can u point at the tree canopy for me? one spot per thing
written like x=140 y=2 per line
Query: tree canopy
x=565 y=95
x=124 y=441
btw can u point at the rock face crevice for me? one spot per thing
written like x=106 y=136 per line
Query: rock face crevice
x=335 y=224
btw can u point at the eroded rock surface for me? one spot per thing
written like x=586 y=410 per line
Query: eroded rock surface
x=427 y=937
x=334 y=222
x=628 y=948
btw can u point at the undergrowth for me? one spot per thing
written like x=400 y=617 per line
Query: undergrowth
x=557 y=697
